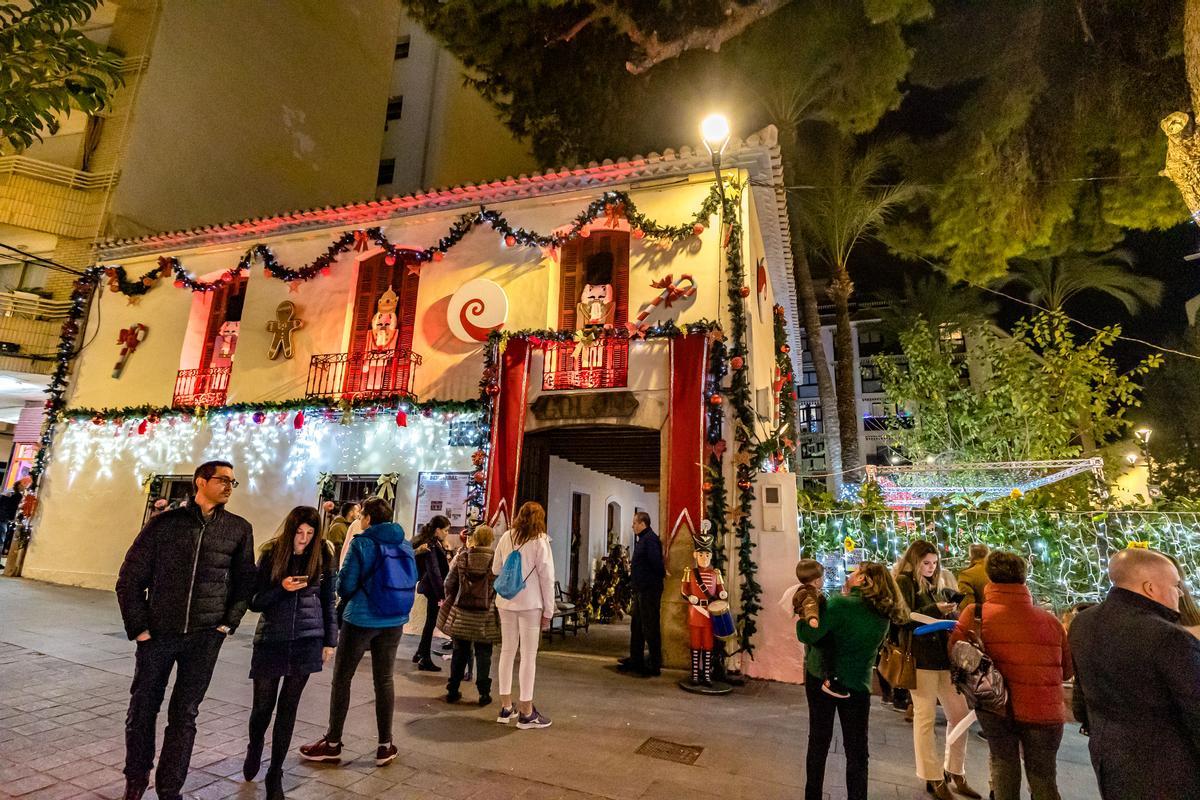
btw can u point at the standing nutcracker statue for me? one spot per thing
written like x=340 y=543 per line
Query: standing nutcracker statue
x=708 y=610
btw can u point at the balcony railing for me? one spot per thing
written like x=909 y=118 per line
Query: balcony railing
x=201 y=387
x=352 y=376
x=602 y=365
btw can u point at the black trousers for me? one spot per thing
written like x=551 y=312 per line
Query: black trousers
x=425 y=646
x=193 y=656
x=644 y=630
x=354 y=642
x=461 y=658
x=1009 y=742
x=854 y=712
x=282 y=697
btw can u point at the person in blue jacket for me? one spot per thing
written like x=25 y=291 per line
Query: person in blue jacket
x=364 y=627
x=646 y=579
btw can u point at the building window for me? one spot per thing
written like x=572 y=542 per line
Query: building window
x=387 y=172
x=574 y=276
x=402 y=45
x=395 y=109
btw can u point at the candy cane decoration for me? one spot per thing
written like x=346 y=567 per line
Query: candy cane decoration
x=671 y=292
x=129 y=339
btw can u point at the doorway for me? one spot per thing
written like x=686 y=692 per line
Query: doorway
x=580 y=516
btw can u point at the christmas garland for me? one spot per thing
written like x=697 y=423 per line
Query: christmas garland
x=398 y=402
x=780 y=447
x=743 y=418
x=613 y=205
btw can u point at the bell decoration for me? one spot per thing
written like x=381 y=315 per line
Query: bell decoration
x=298 y=420
x=638 y=233
x=142 y=426
x=401 y=419
x=510 y=241
x=438 y=255
x=698 y=228
x=390 y=259
x=716 y=400
x=479 y=477
x=744 y=291
x=737 y=362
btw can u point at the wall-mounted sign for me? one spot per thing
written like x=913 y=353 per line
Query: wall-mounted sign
x=584 y=406
x=476 y=309
x=442 y=493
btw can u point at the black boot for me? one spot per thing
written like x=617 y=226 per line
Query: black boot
x=274 y=784
x=254 y=751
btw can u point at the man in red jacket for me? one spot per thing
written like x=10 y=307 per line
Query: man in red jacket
x=1029 y=647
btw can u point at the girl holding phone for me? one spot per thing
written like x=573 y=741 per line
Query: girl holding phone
x=296 y=634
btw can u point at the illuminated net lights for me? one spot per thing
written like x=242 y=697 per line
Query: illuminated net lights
x=272 y=451
x=1067 y=552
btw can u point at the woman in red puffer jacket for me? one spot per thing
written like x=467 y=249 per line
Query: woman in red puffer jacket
x=1029 y=647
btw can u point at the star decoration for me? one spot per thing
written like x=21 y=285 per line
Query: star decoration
x=294 y=287
x=414 y=268
x=742 y=458
x=134 y=299
x=716 y=335
x=735 y=514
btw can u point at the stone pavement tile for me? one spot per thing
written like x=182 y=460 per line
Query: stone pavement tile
x=370 y=786
x=112 y=791
x=58 y=791
x=96 y=778
x=27 y=785
x=72 y=769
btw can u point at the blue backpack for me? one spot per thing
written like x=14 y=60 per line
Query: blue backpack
x=391 y=586
x=511 y=581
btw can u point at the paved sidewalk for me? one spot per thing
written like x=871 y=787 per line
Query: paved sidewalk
x=65 y=666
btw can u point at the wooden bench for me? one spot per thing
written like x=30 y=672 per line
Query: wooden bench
x=567 y=614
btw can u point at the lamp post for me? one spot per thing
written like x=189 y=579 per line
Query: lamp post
x=1143 y=437
x=714 y=130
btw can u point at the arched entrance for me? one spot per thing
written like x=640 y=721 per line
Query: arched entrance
x=572 y=471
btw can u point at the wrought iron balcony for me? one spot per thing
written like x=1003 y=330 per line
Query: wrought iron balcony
x=354 y=376
x=602 y=365
x=201 y=387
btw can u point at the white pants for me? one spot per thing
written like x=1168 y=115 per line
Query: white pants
x=523 y=628
x=934 y=685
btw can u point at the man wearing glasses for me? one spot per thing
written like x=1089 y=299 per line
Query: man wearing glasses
x=184 y=586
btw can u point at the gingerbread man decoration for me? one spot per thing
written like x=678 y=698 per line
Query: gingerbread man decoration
x=282 y=328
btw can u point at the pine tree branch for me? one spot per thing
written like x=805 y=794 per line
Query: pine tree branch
x=654 y=51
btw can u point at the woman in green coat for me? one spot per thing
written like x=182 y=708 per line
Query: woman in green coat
x=856 y=623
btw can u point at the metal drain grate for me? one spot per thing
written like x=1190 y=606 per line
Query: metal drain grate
x=670 y=751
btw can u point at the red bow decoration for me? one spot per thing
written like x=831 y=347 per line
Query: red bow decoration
x=130 y=338
x=636 y=331
x=361 y=242
x=614 y=213
x=674 y=291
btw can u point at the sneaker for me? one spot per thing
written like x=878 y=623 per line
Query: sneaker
x=506 y=713
x=534 y=720
x=834 y=688
x=321 y=750
x=385 y=754
x=485 y=700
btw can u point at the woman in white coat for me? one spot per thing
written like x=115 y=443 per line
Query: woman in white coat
x=526 y=614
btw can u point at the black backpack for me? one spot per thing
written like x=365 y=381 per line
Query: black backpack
x=974 y=673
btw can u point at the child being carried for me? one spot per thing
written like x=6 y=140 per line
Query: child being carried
x=808 y=603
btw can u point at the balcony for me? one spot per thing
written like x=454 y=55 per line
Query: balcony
x=201 y=387
x=359 y=376
x=603 y=365
x=47 y=197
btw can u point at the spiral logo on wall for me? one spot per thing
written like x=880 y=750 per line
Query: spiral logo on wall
x=476 y=309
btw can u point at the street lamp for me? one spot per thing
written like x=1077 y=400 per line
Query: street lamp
x=714 y=130
x=1143 y=435
x=1131 y=458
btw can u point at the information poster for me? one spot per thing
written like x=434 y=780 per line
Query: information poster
x=442 y=493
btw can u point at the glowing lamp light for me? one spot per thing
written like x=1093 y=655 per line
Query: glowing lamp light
x=714 y=130
x=1143 y=435
x=1131 y=458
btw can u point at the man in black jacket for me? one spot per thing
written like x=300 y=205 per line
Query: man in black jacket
x=184 y=586
x=646 y=581
x=1137 y=683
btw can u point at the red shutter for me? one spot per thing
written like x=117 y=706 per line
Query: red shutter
x=570 y=263
x=374 y=277
x=408 y=283
x=618 y=245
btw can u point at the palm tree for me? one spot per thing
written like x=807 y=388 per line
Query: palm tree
x=836 y=219
x=934 y=302
x=1051 y=282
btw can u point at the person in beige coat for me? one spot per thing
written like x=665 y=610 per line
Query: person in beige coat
x=972 y=579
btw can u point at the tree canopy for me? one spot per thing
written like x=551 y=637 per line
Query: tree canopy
x=49 y=68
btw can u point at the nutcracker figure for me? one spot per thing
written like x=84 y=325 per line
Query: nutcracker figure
x=705 y=592
x=596 y=308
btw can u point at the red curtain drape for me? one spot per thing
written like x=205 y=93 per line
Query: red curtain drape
x=508 y=433
x=685 y=436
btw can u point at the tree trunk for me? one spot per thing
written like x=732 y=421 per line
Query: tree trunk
x=1183 y=138
x=840 y=290
x=811 y=317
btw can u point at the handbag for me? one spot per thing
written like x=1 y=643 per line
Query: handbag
x=975 y=675
x=896 y=664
